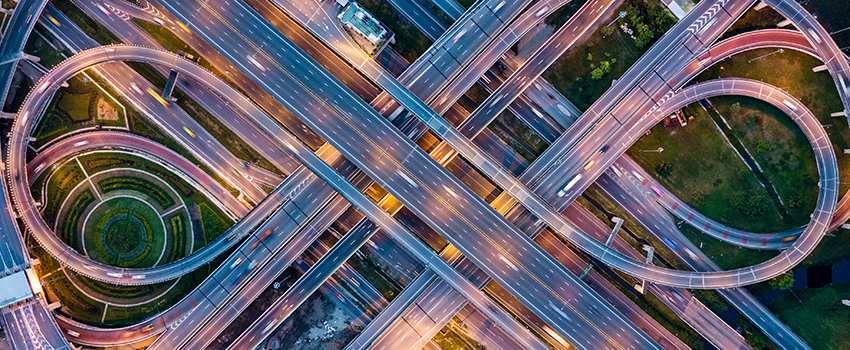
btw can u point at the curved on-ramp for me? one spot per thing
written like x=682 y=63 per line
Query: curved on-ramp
x=754 y=40
x=28 y=117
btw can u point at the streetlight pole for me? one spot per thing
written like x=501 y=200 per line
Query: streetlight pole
x=659 y=150
x=765 y=55
x=622 y=14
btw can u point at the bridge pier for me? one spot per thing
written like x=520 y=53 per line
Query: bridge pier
x=169 y=85
x=839 y=114
x=18 y=56
x=650 y=252
x=7 y=115
x=785 y=23
x=760 y=5
x=617 y=224
x=820 y=68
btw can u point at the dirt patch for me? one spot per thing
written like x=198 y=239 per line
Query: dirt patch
x=105 y=111
x=318 y=324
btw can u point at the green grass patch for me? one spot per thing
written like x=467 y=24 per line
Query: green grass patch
x=74 y=304
x=118 y=183
x=214 y=222
x=59 y=186
x=572 y=73
x=125 y=232
x=450 y=338
x=705 y=171
x=177 y=226
x=98 y=162
x=75 y=107
x=780 y=148
x=409 y=41
x=83 y=200
x=821 y=319
x=792 y=71
x=39 y=47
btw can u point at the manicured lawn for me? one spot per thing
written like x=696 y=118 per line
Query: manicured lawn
x=821 y=319
x=59 y=186
x=792 y=71
x=780 y=148
x=125 y=232
x=73 y=108
x=705 y=172
x=215 y=223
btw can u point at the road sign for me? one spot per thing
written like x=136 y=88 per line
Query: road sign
x=585 y=271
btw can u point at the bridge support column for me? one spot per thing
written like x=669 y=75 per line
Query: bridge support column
x=846 y=226
x=847 y=151
x=820 y=68
x=784 y=23
x=617 y=224
x=760 y=5
x=7 y=11
x=650 y=252
x=838 y=114
x=7 y=115
x=169 y=85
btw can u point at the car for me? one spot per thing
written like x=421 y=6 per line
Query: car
x=157 y=97
x=54 y=21
x=691 y=254
x=669 y=243
x=569 y=185
x=263 y=236
x=72 y=333
x=189 y=132
x=788 y=239
x=236 y=262
x=589 y=164
x=604 y=149
x=542 y=11
x=136 y=88
x=105 y=12
x=656 y=190
x=147 y=328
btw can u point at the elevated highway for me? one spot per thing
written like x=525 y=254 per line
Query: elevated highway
x=17 y=32
x=118 y=52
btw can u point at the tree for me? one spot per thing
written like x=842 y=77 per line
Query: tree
x=736 y=107
x=762 y=147
x=664 y=168
x=589 y=57
x=596 y=74
x=605 y=66
x=783 y=282
x=606 y=31
x=644 y=34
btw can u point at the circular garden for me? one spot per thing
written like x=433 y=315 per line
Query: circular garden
x=124 y=231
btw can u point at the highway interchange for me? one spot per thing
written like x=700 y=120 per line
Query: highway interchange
x=333 y=112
